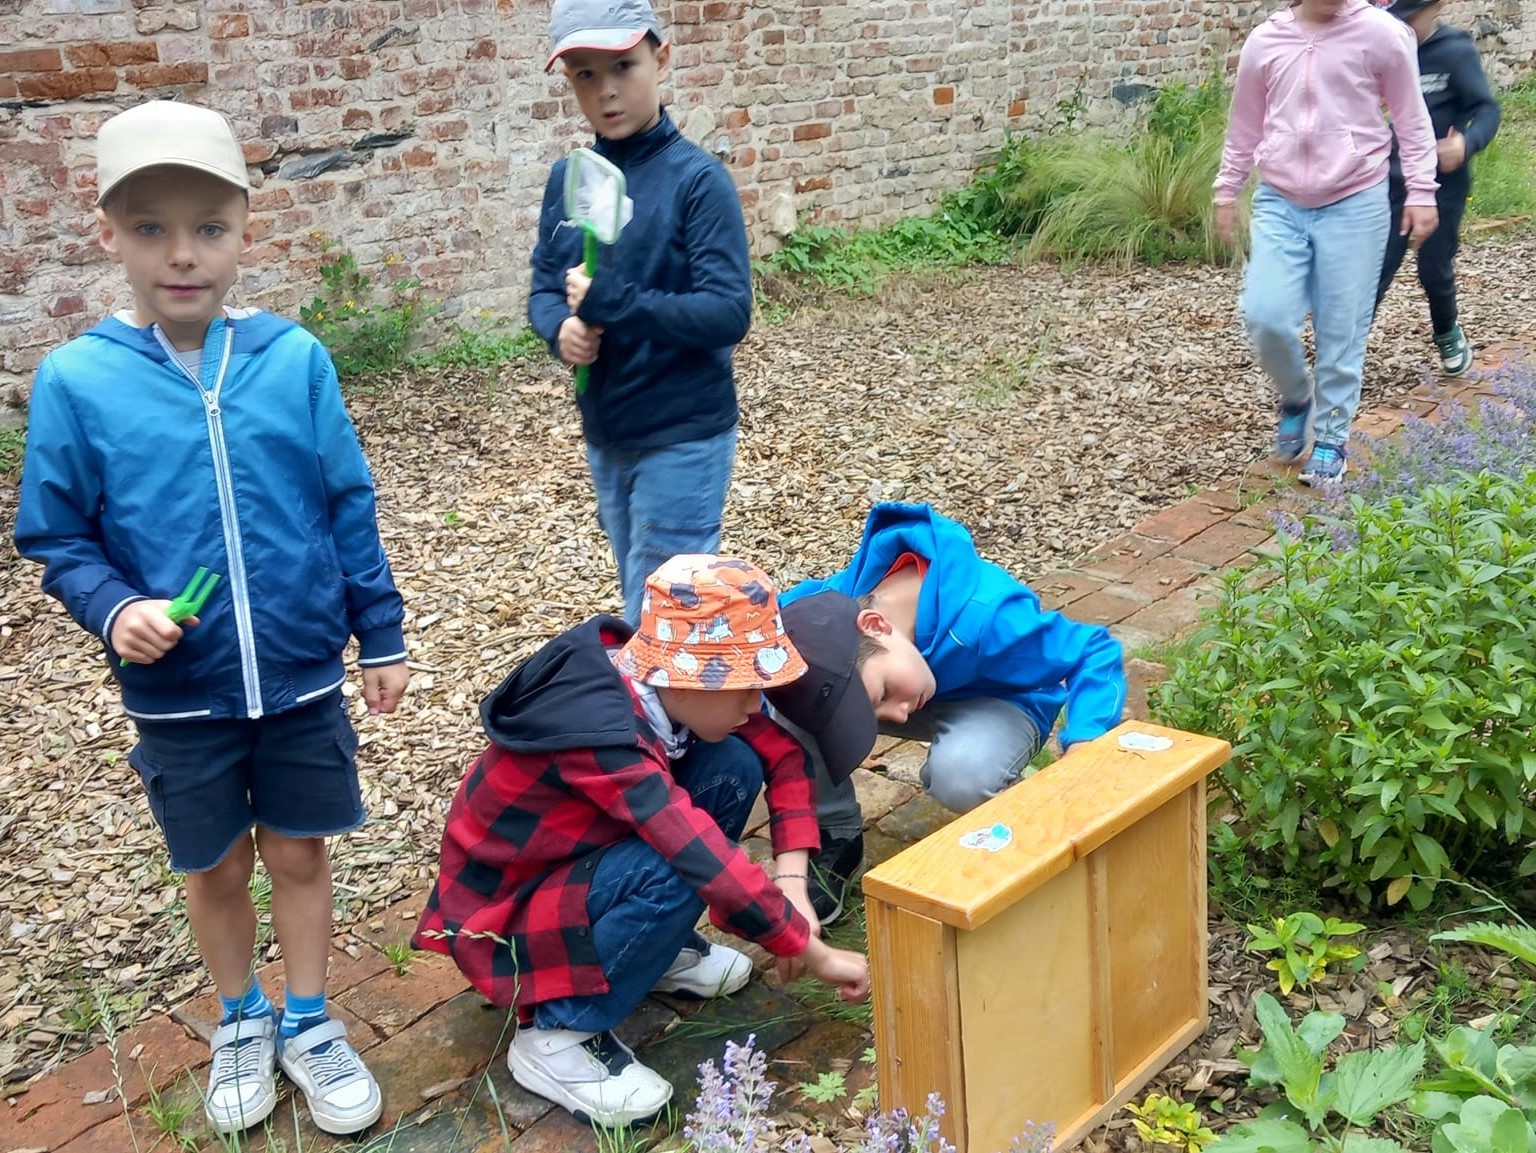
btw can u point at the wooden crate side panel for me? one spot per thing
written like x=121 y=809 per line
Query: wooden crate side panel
x=1027 y=995
x=1154 y=939
x=914 y=979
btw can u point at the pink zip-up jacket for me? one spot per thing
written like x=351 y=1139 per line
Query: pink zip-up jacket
x=1306 y=110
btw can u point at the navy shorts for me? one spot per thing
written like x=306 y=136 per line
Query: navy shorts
x=209 y=782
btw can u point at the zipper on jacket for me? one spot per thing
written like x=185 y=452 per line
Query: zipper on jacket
x=245 y=633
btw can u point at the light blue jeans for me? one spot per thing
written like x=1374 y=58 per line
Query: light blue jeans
x=1326 y=262
x=977 y=748
x=657 y=503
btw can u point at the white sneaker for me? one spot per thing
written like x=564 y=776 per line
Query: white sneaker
x=711 y=971
x=594 y=1075
x=342 y=1095
x=242 y=1088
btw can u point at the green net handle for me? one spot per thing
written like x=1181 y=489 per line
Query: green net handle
x=589 y=261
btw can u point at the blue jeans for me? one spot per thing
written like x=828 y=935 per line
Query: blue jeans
x=658 y=503
x=1324 y=261
x=977 y=748
x=642 y=910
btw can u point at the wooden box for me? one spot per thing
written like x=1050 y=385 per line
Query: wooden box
x=1048 y=979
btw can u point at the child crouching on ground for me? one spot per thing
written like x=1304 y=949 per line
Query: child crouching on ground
x=604 y=818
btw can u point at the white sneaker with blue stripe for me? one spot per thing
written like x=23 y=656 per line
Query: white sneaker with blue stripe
x=342 y=1095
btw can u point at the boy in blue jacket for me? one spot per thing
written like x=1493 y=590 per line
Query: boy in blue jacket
x=180 y=434
x=660 y=319
x=1466 y=117
x=954 y=651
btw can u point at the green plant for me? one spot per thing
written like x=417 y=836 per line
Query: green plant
x=827 y=1087
x=1503 y=174
x=398 y=954
x=169 y=1114
x=1322 y=1108
x=362 y=333
x=1161 y=1120
x=1519 y=941
x=13 y=446
x=484 y=344
x=1307 y=945
x=1484 y=1097
x=1380 y=740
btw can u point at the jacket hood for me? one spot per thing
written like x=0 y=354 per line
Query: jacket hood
x=254 y=331
x=567 y=695
x=1287 y=15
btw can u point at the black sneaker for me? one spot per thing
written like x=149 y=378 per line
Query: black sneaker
x=833 y=870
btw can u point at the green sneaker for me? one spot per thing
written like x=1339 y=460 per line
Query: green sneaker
x=1455 y=351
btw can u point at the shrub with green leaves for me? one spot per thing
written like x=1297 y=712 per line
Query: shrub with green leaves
x=1484 y=1098
x=362 y=333
x=1308 y=947
x=1322 y=1108
x=1377 y=698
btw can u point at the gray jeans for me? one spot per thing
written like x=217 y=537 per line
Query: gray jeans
x=976 y=749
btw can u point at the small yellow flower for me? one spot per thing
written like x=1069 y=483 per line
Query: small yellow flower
x=351 y=304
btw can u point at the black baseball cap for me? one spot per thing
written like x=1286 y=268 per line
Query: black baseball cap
x=1403 y=9
x=829 y=702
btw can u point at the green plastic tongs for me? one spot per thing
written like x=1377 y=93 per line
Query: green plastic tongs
x=190 y=600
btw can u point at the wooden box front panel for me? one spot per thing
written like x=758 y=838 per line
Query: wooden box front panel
x=1027 y=1007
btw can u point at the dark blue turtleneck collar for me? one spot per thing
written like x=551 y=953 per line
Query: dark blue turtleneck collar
x=641 y=146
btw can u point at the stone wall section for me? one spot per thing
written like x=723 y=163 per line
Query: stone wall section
x=417 y=134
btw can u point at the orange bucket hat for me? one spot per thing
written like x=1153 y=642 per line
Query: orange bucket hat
x=710 y=622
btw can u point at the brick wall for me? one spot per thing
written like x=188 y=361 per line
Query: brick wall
x=418 y=133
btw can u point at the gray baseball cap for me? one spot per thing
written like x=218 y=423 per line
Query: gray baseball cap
x=604 y=25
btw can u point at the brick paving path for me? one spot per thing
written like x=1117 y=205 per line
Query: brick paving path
x=437 y=1048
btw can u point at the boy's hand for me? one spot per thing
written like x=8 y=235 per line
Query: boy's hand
x=383 y=686
x=576 y=284
x=142 y=633
x=1224 y=221
x=846 y=970
x=1419 y=221
x=579 y=341
x=1451 y=151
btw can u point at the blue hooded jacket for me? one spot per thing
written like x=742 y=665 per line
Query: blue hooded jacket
x=982 y=632
x=136 y=475
x=673 y=295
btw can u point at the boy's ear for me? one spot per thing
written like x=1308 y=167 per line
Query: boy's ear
x=663 y=59
x=873 y=623
x=106 y=234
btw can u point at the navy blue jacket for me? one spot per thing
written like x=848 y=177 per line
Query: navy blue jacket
x=137 y=474
x=673 y=295
x=1457 y=94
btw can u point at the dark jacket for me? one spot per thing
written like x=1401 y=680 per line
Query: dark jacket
x=137 y=474
x=1457 y=94
x=573 y=768
x=673 y=295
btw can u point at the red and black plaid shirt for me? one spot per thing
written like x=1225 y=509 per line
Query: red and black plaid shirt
x=527 y=828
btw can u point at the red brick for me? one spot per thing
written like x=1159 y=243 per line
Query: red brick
x=738 y=118
x=390 y=1002
x=1173 y=615
x=1056 y=589
x=354 y=119
x=1104 y=607
x=229 y=26
x=8 y=89
x=1162 y=575
x=944 y=95
x=166 y=75
x=420 y=156
x=258 y=151
x=355 y=67
x=31 y=60
x=1122 y=555
x=813 y=184
x=66 y=304
x=812 y=131
x=1221 y=544
x=1018 y=108
x=1182 y=521
x=113 y=55
x=66 y=85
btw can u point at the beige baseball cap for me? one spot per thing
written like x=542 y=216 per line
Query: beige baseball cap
x=167 y=132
